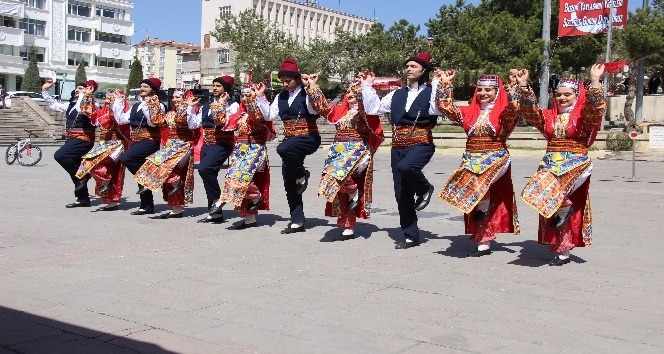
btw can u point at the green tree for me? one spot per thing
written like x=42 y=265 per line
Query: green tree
x=31 y=79
x=135 y=75
x=81 y=76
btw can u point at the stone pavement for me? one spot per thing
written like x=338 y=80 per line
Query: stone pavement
x=72 y=281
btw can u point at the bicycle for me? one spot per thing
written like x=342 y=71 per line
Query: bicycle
x=24 y=151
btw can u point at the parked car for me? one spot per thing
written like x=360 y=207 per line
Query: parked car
x=34 y=95
x=100 y=95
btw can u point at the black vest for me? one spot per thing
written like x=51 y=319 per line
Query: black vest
x=420 y=106
x=206 y=119
x=76 y=120
x=137 y=118
x=298 y=109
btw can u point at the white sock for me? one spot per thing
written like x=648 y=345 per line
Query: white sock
x=355 y=195
x=177 y=210
x=300 y=180
x=564 y=255
x=483 y=246
x=483 y=205
x=296 y=225
x=250 y=219
x=562 y=211
x=347 y=232
x=111 y=204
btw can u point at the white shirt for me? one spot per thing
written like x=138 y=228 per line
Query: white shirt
x=198 y=118
x=122 y=117
x=60 y=106
x=375 y=105
x=271 y=112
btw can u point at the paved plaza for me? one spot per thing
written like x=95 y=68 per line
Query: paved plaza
x=73 y=281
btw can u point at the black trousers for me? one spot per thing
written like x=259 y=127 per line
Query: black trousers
x=69 y=157
x=212 y=157
x=134 y=158
x=293 y=151
x=409 y=181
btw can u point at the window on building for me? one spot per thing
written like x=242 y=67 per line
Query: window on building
x=79 y=34
x=6 y=21
x=74 y=58
x=31 y=26
x=109 y=62
x=224 y=10
x=25 y=50
x=110 y=12
x=39 y=4
x=6 y=49
x=80 y=8
x=109 y=37
x=223 y=56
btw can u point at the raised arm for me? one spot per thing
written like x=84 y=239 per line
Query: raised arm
x=50 y=101
x=88 y=102
x=444 y=95
x=595 y=107
x=317 y=98
x=193 y=119
x=526 y=102
x=155 y=113
x=511 y=115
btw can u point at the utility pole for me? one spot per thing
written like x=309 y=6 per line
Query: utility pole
x=641 y=72
x=546 y=37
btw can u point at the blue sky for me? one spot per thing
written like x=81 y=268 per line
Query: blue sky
x=172 y=19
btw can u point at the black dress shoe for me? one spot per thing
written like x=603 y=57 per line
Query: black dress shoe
x=343 y=237
x=291 y=230
x=143 y=211
x=79 y=204
x=142 y=190
x=169 y=215
x=107 y=208
x=210 y=220
x=244 y=225
x=216 y=209
x=482 y=214
x=176 y=187
x=406 y=244
x=559 y=222
x=254 y=206
x=557 y=262
x=105 y=188
x=478 y=253
x=423 y=200
x=303 y=186
x=81 y=184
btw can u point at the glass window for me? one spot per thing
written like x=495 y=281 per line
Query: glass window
x=6 y=49
x=79 y=34
x=74 y=58
x=25 y=50
x=6 y=21
x=223 y=56
x=31 y=26
x=224 y=10
x=109 y=37
x=34 y=3
x=109 y=62
x=110 y=12
x=79 y=8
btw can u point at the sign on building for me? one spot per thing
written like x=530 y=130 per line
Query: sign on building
x=580 y=18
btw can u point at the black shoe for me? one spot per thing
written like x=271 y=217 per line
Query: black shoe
x=214 y=209
x=557 y=262
x=303 y=186
x=423 y=201
x=559 y=222
x=406 y=244
x=478 y=253
x=343 y=237
x=169 y=215
x=481 y=215
x=143 y=211
x=81 y=184
x=107 y=208
x=142 y=190
x=79 y=204
x=105 y=188
x=291 y=230
x=253 y=206
x=209 y=220
x=176 y=187
x=244 y=225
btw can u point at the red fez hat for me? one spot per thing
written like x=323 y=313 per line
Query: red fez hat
x=154 y=83
x=91 y=83
x=423 y=59
x=226 y=81
x=289 y=68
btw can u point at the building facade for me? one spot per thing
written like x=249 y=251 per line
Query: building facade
x=66 y=32
x=169 y=61
x=303 y=21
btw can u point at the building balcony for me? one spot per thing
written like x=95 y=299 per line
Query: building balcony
x=82 y=21
x=12 y=9
x=115 y=26
x=12 y=36
x=83 y=47
x=114 y=50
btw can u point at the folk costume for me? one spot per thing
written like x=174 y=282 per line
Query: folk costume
x=145 y=137
x=482 y=186
x=301 y=138
x=80 y=138
x=347 y=176
x=218 y=142
x=247 y=182
x=171 y=168
x=559 y=190
x=103 y=161
x=414 y=114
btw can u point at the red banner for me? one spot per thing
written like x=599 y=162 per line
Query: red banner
x=582 y=17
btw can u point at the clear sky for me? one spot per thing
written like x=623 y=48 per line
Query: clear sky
x=180 y=19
